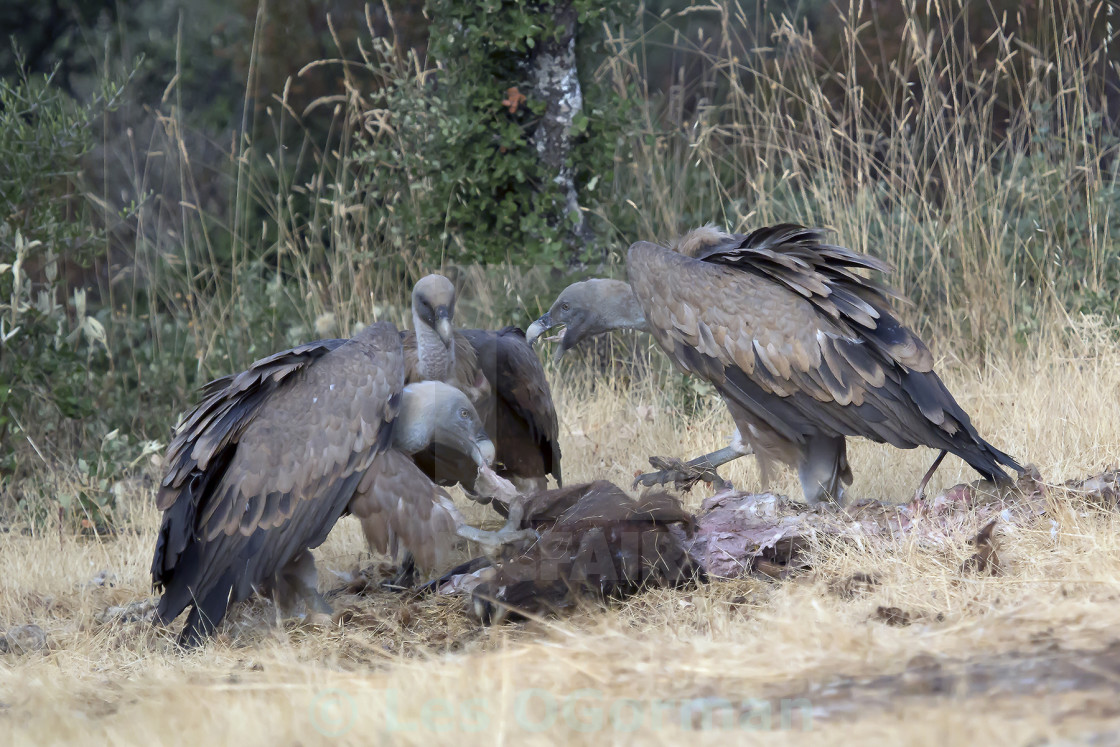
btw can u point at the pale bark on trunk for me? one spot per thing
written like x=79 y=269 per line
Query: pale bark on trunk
x=555 y=81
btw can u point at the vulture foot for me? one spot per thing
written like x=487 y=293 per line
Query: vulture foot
x=512 y=532
x=406 y=575
x=494 y=541
x=683 y=475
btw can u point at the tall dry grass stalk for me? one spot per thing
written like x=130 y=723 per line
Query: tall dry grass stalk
x=998 y=220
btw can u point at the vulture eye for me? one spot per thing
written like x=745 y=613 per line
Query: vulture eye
x=564 y=306
x=465 y=414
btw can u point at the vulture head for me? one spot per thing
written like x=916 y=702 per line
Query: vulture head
x=589 y=308
x=433 y=306
x=436 y=413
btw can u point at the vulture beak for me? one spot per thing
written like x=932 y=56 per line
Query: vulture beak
x=443 y=325
x=539 y=327
x=482 y=451
x=542 y=325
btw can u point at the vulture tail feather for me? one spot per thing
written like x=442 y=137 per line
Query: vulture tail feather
x=928 y=392
x=205 y=614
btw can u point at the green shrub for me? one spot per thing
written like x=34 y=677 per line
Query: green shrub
x=449 y=158
x=54 y=338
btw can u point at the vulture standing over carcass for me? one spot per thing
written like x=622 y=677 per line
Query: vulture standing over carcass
x=262 y=468
x=500 y=372
x=802 y=348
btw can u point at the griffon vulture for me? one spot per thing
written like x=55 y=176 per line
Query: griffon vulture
x=262 y=468
x=803 y=349
x=500 y=372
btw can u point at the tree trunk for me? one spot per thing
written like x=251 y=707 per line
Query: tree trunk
x=555 y=81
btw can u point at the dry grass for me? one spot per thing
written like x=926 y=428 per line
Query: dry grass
x=956 y=214
x=736 y=640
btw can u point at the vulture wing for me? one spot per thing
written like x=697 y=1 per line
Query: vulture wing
x=520 y=418
x=781 y=323
x=264 y=467
x=228 y=405
x=396 y=501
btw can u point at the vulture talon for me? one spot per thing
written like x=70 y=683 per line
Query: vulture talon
x=683 y=475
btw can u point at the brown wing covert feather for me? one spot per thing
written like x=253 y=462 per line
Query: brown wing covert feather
x=266 y=464
x=785 y=327
x=520 y=417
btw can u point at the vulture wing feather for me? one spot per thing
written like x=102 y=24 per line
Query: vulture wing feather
x=522 y=420
x=395 y=500
x=279 y=465
x=824 y=354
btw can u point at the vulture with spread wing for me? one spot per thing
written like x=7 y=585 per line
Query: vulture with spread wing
x=500 y=372
x=802 y=348
x=262 y=468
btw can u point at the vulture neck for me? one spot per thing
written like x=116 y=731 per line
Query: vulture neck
x=435 y=360
x=414 y=430
x=622 y=311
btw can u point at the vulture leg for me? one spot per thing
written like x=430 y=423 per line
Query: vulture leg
x=492 y=541
x=684 y=475
x=299 y=581
x=406 y=576
x=823 y=469
x=205 y=615
x=921 y=491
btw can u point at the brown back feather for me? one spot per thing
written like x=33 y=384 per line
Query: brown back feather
x=265 y=465
x=594 y=539
x=786 y=328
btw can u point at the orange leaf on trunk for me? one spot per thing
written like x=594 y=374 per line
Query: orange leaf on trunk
x=514 y=98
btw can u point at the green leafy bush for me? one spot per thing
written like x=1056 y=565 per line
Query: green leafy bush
x=449 y=156
x=53 y=338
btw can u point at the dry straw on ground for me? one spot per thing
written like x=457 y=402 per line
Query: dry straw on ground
x=1012 y=657
x=925 y=654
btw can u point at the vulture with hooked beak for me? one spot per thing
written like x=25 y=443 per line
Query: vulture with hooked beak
x=501 y=374
x=262 y=468
x=802 y=348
